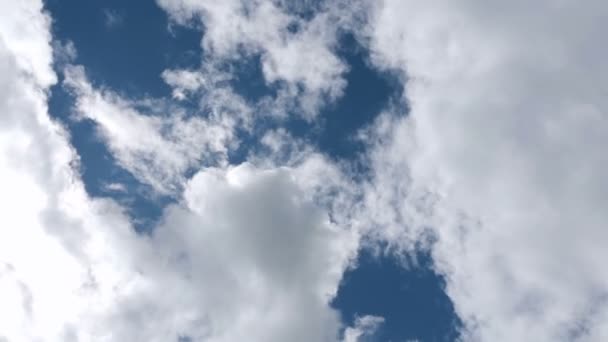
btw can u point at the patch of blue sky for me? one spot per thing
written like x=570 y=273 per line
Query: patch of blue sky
x=130 y=57
x=406 y=293
x=368 y=92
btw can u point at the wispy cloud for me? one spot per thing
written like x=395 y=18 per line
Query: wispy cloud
x=113 y=19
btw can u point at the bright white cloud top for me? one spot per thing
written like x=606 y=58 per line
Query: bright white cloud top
x=498 y=169
x=507 y=133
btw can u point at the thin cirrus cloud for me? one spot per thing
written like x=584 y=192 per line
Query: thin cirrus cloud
x=496 y=171
x=165 y=146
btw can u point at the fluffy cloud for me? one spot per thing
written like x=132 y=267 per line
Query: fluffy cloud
x=501 y=159
x=245 y=255
x=45 y=276
x=28 y=42
x=184 y=82
x=498 y=169
x=294 y=52
x=266 y=263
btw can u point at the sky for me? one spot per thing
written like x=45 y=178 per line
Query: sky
x=318 y=170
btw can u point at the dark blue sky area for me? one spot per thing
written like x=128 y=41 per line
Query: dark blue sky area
x=129 y=52
x=411 y=298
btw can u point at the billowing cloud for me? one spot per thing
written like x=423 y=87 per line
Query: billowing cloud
x=247 y=254
x=29 y=43
x=257 y=260
x=501 y=159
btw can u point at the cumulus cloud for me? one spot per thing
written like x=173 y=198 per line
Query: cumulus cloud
x=245 y=255
x=265 y=274
x=28 y=42
x=500 y=159
x=44 y=274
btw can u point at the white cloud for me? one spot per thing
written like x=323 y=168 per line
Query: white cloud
x=246 y=255
x=47 y=252
x=28 y=39
x=156 y=147
x=502 y=158
x=115 y=187
x=265 y=262
x=183 y=82
x=303 y=59
x=364 y=327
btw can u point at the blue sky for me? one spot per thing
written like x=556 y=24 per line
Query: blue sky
x=272 y=170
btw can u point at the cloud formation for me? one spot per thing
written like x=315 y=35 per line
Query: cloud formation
x=167 y=144
x=497 y=169
x=502 y=159
x=296 y=54
x=72 y=267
